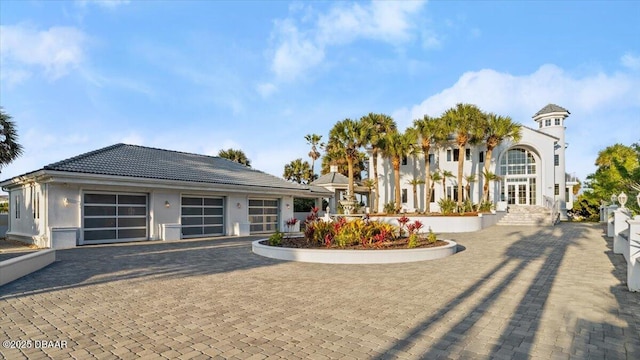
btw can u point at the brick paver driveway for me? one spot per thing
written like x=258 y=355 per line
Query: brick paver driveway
x=512 y=293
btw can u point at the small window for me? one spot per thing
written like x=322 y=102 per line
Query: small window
x=467 y=154
x=433 y=195
x=481 y=157
x=17 y=211
x=557 y=121
x=404 y=159
x=404 y=196
x=557 y=189
x=431 y=159
x=448 y=154
x=556 y=160
x=456 y=154
x=547 y=122
x=452 y=192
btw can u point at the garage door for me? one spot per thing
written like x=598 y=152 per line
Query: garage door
x=202 y=216
x=263 y=215
x=114 y=217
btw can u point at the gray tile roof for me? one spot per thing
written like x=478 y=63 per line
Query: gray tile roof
x=144 y=162
x=551 y=108
x=331 y=178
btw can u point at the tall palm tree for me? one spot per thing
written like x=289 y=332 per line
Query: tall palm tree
x=496 y=130
x=9 y=147
x=235 y=155
x=414 y=183
x=394 y=146
x=345 y=139
x=379 y=126
x=314 y=154
x=369 y=184
x=431 y=131
x=465 y=122
x=488 y=177
x=298 y=171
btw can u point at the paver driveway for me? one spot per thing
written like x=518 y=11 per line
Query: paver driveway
x=512 y=293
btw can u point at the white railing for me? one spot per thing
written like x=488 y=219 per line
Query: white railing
x=553 y=206
x=626 y=241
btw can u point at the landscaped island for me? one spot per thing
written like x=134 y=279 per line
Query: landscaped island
x=355 y=242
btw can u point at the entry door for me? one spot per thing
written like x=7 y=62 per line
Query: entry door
x=518 y=193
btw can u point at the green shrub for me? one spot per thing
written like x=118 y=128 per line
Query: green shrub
x=431 y=237
x=485 y=206
x=447 y=206
x=467 y=206
x=413 y=241
x=390 y=208
x=276 y=239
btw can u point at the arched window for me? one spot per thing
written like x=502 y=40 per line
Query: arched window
x=518 y=162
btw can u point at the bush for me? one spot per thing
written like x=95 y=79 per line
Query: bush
x=275 y=239
x=343 y=233
x=431 y=237
x=485 y=206
x=390 y=208
x=413 y=241
x=447 y=206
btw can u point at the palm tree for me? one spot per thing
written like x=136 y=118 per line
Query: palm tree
x=496 y=130
x=465 y=121
x=471 y=178
x=431 y=131
x=236 y=156
x=298 y=171
x=369 y=184
x=435 y=177
x=488 y=176
x=394 y=146
x=414 y=183
x=446 y=174
x=379 y=126
x=314 y=154
x=9 y=148
x=345 y=139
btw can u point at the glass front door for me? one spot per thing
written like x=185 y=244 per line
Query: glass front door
x=518 y=193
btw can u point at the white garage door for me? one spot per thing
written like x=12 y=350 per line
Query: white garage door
x=113 y=217
x=263 y=215
x=202 y=216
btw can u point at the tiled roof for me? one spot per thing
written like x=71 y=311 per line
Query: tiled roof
x=551 y=108
x=144 y=162
x=331 y=178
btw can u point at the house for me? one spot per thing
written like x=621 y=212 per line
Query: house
x=532 y=171
x=133 y=193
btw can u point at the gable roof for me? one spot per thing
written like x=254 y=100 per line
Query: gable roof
x=151 y=163
x=551 y=108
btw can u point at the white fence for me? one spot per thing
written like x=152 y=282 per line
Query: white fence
x=625 y=232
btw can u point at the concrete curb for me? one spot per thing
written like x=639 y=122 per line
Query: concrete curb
x=20 y=266
x=332 y=256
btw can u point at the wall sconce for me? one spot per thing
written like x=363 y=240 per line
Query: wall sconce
x=65 y=202
x=239 y=206
x=614 y=198
x=167 y=204
x=288 y=206
x=622 y=198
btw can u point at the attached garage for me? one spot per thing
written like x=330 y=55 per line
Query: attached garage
x=263 y=215
x=129 y=193
x=202 y=216
x=113 y=217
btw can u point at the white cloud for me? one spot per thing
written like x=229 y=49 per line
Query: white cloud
x=57 y=51
x=299 y=50
x=106 y=4
x=266 y=89
x=630 y=61
x=603 y=106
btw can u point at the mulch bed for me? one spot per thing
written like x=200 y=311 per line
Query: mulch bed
x=302 y=243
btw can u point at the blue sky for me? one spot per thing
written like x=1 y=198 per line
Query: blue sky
x=259 y=75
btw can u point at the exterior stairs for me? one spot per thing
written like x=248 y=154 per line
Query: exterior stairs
x=527 y=215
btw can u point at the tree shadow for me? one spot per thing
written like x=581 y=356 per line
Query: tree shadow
x=99 y=264
x=548 y=244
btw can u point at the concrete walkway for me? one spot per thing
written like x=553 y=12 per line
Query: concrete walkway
x=513 y=293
